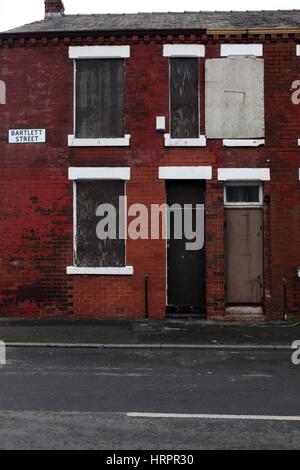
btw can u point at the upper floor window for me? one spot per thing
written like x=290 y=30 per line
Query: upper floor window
x=234 y=97
x=184 y=98
x=99 y=96
x=184 y=95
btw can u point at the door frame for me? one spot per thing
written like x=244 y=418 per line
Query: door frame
x=204 y=182
x=249 y=206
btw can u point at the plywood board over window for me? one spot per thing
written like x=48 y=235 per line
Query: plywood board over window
x=235 y=98
x=90 y=250
x=184 y=95
x=99 y=98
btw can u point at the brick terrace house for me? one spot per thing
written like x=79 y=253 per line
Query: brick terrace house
x=163 y=108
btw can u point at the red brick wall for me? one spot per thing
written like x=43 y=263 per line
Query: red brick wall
x=36 y=241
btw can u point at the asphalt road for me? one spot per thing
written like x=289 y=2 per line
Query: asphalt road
x=80 y=399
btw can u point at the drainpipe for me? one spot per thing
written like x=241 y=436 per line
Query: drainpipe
x=285 y=297
x=147 y=278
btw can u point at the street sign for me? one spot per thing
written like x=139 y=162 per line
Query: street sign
x=26 y=136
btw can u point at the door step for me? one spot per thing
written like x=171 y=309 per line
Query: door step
x=244 y=310
x=178 y=316
x=245 y=313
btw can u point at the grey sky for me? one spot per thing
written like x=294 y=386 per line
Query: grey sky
x=15 y=12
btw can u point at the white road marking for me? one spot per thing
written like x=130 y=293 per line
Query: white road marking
x=257 y=376
x=208 y=416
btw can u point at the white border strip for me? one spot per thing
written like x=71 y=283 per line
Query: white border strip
x=2 y=353
x=169 y=142
x=228 y=50
x=99 y=52
x=202 y=347
x=118 y=142
x=86 y=173
x=243 y=142
x=299 y=174
x=298 y=50
x=217 y=416
x=244 y=174
x=127 y=271
x=184 y=50
x=185 y=173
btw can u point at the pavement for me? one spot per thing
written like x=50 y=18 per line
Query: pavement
x=148 y=399
x=149 y=334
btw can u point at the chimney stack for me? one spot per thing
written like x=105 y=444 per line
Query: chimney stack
x=54 y=8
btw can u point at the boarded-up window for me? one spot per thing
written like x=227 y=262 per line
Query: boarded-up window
x=184 y=95
x=234 y=98
x=91 y=251
x=100 y=98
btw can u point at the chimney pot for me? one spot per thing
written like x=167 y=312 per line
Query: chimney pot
x=54 y=8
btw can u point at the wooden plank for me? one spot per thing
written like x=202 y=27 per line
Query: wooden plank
x=184 y=91
x=100 y=98
x=92 y=252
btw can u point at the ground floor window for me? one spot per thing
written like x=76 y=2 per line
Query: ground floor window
x=99 y=218
x=243 y=194
x=99 y=222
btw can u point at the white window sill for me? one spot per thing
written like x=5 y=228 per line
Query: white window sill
x=122 y=142
x=73 y=271
x=200 y=142
x=243 y=205
x=243 y=142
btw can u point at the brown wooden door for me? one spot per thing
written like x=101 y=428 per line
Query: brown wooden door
x=244 y=256
x=186 y=269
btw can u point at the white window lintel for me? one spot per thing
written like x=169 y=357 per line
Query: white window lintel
x=242 y=50
x=185 y=173
x=126 y=271
x=244 y=174
x=106 y=173
x=198 y=142
x=184 y=50
x=99 y=52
